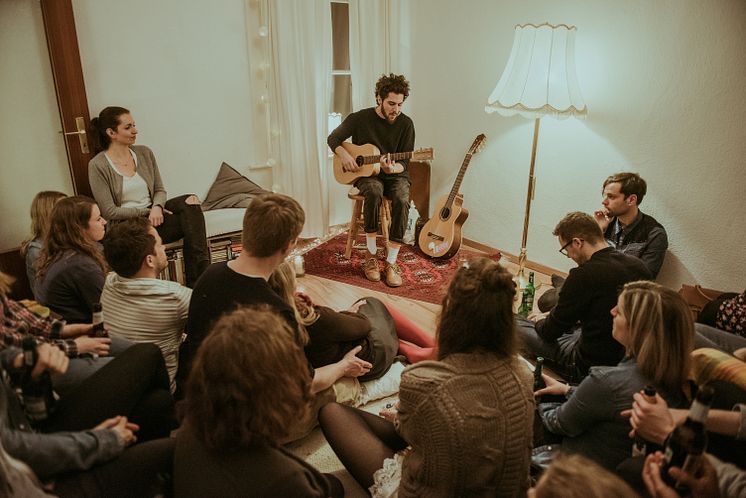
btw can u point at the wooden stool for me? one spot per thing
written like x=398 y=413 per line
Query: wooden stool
x=357 y=219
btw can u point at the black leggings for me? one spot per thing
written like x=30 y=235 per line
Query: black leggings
x=134 y=384
x=187 y=222
x=361 y=440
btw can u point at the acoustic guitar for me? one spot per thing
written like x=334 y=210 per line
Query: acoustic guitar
x=441 y=235
x=368 y=157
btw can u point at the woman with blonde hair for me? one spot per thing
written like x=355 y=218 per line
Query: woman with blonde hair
x=574 y=475
x=379 y=329
x=41 y=214
x=467 y=417
x=655 y=327
x=248 y=385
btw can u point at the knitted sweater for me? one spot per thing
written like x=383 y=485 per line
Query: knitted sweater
x=469 y=421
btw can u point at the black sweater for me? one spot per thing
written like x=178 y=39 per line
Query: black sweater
x=588 y=295
x=367 y=127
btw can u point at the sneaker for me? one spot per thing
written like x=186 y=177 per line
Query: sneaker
x=393 y=275
x=372 y=271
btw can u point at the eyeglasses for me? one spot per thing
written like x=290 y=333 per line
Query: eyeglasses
x=563 y=249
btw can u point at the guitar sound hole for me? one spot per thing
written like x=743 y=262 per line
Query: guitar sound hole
x=359 y=160
x=445 y=213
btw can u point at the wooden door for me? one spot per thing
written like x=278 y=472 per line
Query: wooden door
x=62 y=40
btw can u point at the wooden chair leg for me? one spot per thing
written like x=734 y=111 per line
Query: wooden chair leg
x=357 y=209
x=385 y=221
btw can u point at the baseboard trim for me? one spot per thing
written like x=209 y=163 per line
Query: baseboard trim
x=531 y=265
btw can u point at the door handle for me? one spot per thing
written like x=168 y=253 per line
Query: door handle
x=81 y=133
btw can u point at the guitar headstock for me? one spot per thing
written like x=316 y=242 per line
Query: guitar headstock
x=423 y=154
x=478 y=144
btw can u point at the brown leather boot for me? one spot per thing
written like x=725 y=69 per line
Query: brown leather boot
x=393 y=275
x=372 y=271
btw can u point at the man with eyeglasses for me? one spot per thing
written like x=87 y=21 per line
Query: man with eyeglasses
x=576 y=333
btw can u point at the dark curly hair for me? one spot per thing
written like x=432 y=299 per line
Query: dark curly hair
x=249 y=382
x=477 y=311
x=393 y=83
x=126 y=245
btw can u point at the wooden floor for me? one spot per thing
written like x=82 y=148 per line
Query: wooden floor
x=340 y=296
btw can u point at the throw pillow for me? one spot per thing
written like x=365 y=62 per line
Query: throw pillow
x=231 y=190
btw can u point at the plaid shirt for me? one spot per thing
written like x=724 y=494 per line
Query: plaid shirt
x=19 y=320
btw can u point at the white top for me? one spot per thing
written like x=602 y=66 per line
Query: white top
x=147 y=310
x=135 y=193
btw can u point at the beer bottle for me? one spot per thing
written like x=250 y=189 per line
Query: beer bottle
x=37 y=395
x=97 y=319
x=640 y=445
x=686 y=445
x=538 y=379
x=527 y=298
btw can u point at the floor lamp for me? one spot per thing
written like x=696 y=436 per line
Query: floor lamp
x=539 y=80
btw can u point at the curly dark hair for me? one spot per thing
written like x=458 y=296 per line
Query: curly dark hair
x=249 y=382
x=393 y=83
x=126 y=245
x=477 y=311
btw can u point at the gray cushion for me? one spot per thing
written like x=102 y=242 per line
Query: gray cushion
x=231 y=190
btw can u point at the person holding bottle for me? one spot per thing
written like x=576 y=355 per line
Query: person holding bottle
x=126 y=183
x=655 y=328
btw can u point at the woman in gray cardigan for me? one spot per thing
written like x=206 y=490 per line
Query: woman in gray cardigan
x=126 y=183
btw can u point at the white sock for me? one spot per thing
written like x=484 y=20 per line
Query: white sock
x=393 y=253
x=370 y=241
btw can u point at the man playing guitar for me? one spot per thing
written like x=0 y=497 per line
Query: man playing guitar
x=386 y=127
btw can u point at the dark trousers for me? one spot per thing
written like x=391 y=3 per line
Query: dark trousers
x=134 y=384
x=143 y=470
x=561 y=355
x=187 y=222
x=395 y=188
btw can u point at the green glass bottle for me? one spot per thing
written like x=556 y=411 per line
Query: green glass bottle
x=527 y=300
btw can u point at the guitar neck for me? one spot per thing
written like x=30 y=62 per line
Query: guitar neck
x=395 y=156
x=459 y=178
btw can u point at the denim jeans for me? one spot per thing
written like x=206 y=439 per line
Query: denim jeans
x=187 y=222
x=395 y=188
x=561 y=355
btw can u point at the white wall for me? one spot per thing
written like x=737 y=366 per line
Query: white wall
x=182 y=68
x=665 y=85
x=32 y=151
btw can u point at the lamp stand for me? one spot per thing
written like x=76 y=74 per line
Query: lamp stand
x=529 y=197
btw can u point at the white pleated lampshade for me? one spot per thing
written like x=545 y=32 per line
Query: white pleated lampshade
x=539 y=78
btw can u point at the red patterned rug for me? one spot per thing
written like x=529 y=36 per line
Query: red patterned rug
x=424 y=279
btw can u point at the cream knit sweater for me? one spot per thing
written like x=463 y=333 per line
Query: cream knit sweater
x=469 y=420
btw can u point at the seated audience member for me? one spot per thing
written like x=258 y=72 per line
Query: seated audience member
x=625 y=228
x=271 y=226
x=655 y=421
x=368 y=323
x=727 y=312
x=467 y=416
x=234 y=449
x=71 y=268
x=628 y=229
x=587 y=298
x=137 y=304
x=654 y=326
x=573 y=475
x=97 y=461
x=126 y=183
x=87 y=354
x=41 y=212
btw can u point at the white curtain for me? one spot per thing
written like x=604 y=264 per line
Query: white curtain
x=379 y=43
x=300 y=94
